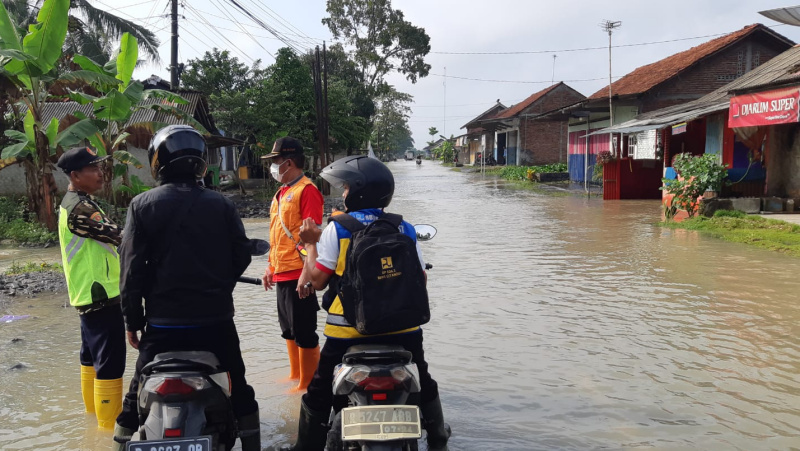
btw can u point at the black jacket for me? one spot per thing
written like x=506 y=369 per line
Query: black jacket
x=192 y=282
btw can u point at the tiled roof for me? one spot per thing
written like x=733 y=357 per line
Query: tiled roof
x=647 y=77
x=486 y=114
x=518 y=108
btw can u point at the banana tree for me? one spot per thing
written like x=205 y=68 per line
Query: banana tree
x=112 y=112
x=28 y=62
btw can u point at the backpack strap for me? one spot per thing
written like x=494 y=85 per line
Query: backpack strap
x=348 y=222
x=393 y=219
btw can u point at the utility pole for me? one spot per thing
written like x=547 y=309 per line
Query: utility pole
x=609 y=27
x=444 y=113
x=553 y=79
x=173 y=68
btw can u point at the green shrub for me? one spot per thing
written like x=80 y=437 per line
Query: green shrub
x=25 y=232
x=525 y=172
x=14 y=223
x=729 y=214
x=11 y=209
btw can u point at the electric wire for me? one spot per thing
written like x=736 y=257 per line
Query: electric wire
x=252 y=25
x=290 y=43
x=517 y=81
x=582 y=49
x=244 y=30
x=286 y=24
x=225 y=38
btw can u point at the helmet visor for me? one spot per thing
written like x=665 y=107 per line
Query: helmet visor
x=183 y=141
x=335 y=182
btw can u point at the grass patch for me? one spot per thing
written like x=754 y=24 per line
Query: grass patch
x=737 y=227
x=29 y=267
x=19 y=225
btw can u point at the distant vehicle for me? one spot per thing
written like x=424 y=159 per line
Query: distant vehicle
x=409 y=155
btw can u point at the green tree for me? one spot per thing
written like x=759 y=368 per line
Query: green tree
x=285 y=99
x=391 y=131
x=112 y=111
x=91 y=31
x=26 y=61
x=230 y=86
x=433 y=132
x=381 y=39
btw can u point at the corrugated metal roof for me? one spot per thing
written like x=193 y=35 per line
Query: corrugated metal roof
x=60 y=110
x=651 y=75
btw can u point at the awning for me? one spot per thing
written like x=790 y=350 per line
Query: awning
x=674 y=116
x=788 y=16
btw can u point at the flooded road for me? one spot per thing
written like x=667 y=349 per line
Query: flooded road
x=557 y=323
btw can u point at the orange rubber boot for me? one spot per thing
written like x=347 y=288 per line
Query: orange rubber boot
x=309 y=360
x=294 y=361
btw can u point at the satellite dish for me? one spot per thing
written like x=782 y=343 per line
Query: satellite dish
x=788 y=16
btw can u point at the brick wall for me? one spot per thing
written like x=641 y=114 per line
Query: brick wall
x=545 y=142
x=712 y=73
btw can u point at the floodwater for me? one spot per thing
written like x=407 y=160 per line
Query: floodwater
x=558 y=323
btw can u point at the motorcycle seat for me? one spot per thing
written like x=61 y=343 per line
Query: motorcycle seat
x=183 y=361
x=377 y=353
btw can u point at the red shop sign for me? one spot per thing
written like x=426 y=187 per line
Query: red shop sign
x=764 y=108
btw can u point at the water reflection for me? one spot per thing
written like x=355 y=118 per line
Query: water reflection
x=558 y=323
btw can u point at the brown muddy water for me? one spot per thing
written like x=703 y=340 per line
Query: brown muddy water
x=558 y=323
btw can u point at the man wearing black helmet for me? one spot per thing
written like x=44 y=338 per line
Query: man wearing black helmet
x=182 y=251
x=368 y=188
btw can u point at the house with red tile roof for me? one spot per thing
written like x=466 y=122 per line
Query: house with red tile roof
x=514 y=139
x=677 y=79
x=477 y=138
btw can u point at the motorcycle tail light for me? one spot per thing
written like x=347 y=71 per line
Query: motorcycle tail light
x=175 y=385
x=170 y=433
x=380 y=383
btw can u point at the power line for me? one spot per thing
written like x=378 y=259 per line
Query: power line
x=314 y=40
x=582 y=49
x=292 y=44
x=210 y=27
x=243 y=30
x=515 y=81
x=288 y=25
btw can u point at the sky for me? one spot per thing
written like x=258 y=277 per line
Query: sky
x=560 y=28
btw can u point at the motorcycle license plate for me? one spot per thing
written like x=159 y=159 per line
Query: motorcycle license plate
x=380 y=423
x=172 y=444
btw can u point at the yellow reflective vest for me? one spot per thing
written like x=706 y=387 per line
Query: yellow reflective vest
x=87 y=263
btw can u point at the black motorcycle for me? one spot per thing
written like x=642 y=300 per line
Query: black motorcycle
x=184 y=398
x=381 y=385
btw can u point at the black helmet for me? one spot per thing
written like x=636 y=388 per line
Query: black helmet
x=176 y=151
x=371 y=183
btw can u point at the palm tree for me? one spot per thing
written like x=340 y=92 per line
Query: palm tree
x=92 y=32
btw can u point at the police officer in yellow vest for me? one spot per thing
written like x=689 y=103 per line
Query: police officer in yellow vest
x=91 y=264
x=296 y=200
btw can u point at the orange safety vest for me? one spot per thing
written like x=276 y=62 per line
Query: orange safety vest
x=283 y=255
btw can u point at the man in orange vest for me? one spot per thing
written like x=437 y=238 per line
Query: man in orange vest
x=296 y=200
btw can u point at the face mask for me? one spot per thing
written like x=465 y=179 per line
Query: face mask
x=275 y=171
